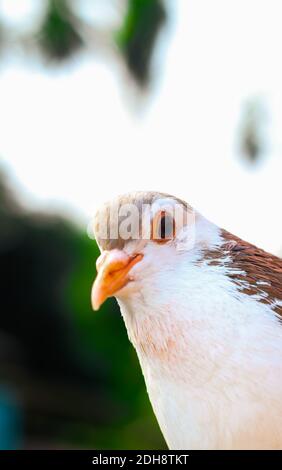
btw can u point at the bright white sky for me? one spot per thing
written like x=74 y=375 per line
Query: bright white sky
x=70 y=140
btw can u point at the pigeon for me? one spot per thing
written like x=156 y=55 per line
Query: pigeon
x=203 y=309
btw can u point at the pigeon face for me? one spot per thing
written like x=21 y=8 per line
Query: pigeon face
x=203 y=310
x=161 y=234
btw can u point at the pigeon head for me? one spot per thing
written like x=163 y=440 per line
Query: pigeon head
x=142 y=237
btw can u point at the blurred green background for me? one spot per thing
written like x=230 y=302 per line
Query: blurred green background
x=69 y=377
x=72 y=374
x=99 y=97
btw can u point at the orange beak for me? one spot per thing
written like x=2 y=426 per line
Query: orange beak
x=112 y=275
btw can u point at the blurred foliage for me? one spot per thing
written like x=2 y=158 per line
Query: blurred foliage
x=253 y=132
x=75 y=373
x=138 y=34
x=59 y=34
x=58 y=38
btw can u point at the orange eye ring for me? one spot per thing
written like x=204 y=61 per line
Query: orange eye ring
x=163 y=227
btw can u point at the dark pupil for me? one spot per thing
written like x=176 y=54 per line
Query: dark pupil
x=166 y=227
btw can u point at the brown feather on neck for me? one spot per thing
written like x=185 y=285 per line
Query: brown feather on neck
x=256 y=272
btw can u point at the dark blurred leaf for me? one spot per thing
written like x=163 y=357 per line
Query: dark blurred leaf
x=138 y=34
x=253 y=135
x=58 y=38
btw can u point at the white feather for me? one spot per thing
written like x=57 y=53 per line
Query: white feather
x=211 y=356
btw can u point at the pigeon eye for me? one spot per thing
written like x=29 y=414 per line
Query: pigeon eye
x=163 y=227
